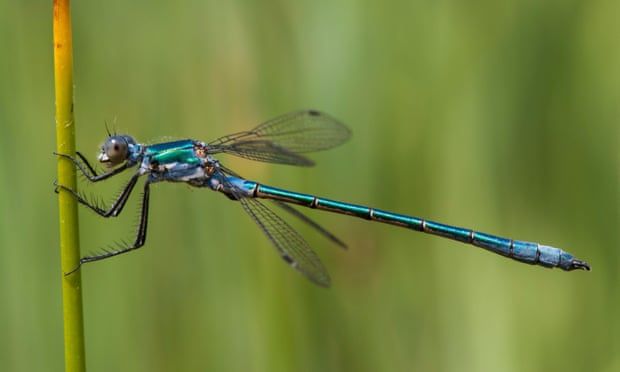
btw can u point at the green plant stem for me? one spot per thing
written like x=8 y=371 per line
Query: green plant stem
x=67 y=206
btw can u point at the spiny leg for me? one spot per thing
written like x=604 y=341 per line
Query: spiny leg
x=88 y=171
x=116 y=207
x=140 y=236
x=85 y=161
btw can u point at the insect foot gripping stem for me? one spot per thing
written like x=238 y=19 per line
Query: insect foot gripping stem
x=567 y=261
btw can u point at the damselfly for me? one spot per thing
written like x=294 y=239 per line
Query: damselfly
x=283 y=140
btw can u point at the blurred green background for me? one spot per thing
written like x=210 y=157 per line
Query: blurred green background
x=500 y=116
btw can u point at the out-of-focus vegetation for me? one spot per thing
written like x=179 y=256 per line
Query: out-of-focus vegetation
x=501 y=116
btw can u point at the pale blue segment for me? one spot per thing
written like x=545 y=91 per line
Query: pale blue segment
x=524 y=251
x=549 y=256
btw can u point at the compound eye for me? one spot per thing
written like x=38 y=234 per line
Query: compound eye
x=116 y=150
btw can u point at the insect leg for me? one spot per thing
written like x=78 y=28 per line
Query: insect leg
x=89 y=172
x=140 y=236
x=116 y=207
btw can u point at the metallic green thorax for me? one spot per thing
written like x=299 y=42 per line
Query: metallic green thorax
x=173 y=152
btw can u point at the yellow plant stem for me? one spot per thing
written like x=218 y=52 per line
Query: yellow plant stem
x=67 y=206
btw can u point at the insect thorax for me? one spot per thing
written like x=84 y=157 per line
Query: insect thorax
x=179 y=161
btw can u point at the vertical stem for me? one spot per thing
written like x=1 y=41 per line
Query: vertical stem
x=67 y=206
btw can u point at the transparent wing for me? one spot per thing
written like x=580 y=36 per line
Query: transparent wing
x=315 y=225
x=291 y=246
x=289 y=209
x=261 y=150
x=283 y=139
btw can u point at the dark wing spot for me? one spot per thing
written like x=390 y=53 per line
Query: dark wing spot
x=314 y=113
x=287 y=258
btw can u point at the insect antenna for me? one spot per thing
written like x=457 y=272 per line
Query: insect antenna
x=107 y=129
